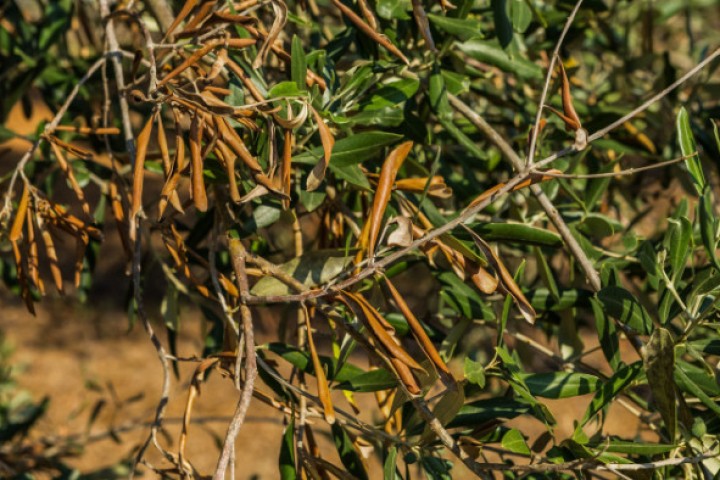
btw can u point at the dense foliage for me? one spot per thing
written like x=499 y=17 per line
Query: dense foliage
x=361 y=169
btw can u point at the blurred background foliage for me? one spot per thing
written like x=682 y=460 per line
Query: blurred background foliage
x=647 y=340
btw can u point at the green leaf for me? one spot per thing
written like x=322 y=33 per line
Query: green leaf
x=659 y=360
x=517 y=232
x=607 y=334
x=390 y=465
x=543 y=300
x=561 y=384
x=353 y=174
x=302 y=361
x=352 y=150
x=348 y=456
x=503 y=26
x=285 y=89
x=438 y=96
x=391 y=94
x=514 y=441
x=311 y=200
x=482 y=411
x=266 y=215
x=621 y=304
x=708 y=224
x=436 y=468
x=313 y=268
x=709 y=346
x=686 y=384
x=55 y=21
x=520 y=15
x=462 y=28
x=474 y=372
x=394 y=9
x=677 y=240
x=546 y=274
x=6 y=134
x=688 y=147
x=298 y=63
x=636 y=448
x=371 y=381
x=620 y=380
x=286 y=461
x=491 y=53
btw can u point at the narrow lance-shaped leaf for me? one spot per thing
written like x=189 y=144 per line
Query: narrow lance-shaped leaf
x=21 y=215
x=184 y=12
x=199 y=195
x=526 y=309
x=659 y=360
x=371 y=229
x=610 y=389
x=139 y=173
x=322 y=383
x=569 y=115
x=417 y=329
x=52 y=258
x=689 y=149
x=326 y=137
x=67 y=169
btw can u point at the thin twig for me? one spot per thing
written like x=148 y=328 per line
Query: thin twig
x=546 y=87
x=647 y=104
x=547 y=205
x=114 y=54
x=627 y=171
x=237 y=254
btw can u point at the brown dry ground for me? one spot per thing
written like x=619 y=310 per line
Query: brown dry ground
x=80 y=355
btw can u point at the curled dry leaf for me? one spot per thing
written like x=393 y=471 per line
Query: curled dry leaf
x=280 y=17
x=294 y=121
x=139 y=172
x=436 y=188
x=378 y=326
x=201 y=52
x=199 y=195
x=21 y=214
x=286 y=167
x=402 y=236
x=417 y=329
x=193 y=392
x=506 y=279
x=202 y=13
x=33 y=260
x=184 y=12
x=322 y=383
x=67 y=169
x=52 y=257
x=317 y=175
x=486 y=282
x=371 y=229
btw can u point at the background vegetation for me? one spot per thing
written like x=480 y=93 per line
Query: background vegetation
x=442 y=217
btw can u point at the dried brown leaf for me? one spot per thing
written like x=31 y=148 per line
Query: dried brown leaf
x=417 y=329
x=21 y=215
x=199 y=195
x=139 y=172
x=317 y=175
x=506 y=279
x=389 y=171
x=322 y=383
